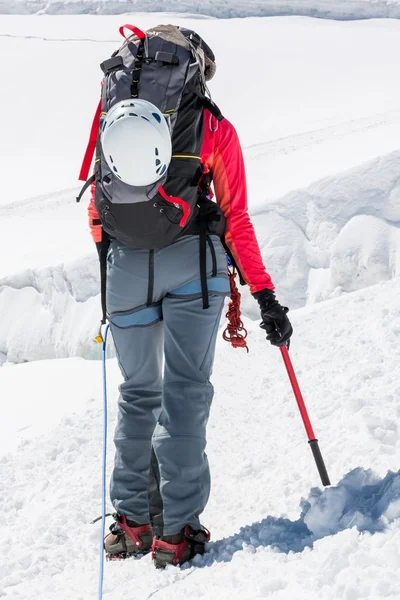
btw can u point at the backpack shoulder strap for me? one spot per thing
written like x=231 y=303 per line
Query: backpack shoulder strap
x=207 y=103
x=85 y=187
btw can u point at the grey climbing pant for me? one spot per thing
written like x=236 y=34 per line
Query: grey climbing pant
x=165 y=345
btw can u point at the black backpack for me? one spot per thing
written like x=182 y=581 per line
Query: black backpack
x=165 y=66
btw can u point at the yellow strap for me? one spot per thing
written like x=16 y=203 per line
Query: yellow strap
x=186 y=156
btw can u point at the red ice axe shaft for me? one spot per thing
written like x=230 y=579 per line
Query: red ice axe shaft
x=306 y=420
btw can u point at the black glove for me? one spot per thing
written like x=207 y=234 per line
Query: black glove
x=274 y=318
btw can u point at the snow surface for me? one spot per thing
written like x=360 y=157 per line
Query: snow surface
x=320 y=139
x=275 y=533
x=327 y=9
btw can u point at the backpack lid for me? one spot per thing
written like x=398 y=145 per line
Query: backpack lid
x=189 y=39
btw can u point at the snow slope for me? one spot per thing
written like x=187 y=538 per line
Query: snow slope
x=321 y=149
x=267 y=542
x=330 y=106
x=327 y=9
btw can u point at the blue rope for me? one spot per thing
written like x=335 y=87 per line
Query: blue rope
x=104 y=469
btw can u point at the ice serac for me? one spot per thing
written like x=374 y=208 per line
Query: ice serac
x=53 y=312
x=339 y=235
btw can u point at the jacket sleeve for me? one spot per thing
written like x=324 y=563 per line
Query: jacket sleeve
x=229 y=180
x=94 y=219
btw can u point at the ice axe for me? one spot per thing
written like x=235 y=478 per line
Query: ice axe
x=306 y=420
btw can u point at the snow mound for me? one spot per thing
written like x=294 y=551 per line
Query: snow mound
x=328 y=9
x=52 y=312
x=361 y=499
x=344 y=234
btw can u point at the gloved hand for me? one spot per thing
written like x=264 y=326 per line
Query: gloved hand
x=274 y=318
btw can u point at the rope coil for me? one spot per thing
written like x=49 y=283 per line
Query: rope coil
x=235 y=333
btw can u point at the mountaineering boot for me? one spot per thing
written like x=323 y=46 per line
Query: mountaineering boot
x=127 y=538
x=178 y=549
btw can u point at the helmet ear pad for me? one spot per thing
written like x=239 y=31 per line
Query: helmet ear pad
x=136 y=142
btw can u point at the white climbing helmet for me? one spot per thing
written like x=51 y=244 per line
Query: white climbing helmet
x=136 y=142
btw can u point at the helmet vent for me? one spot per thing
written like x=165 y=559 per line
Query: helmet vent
x=157 y=117
x=156 y=151
x=158 y=162
x=160 y=170
x=145 y=118
x=133 y=115
x=111 y=158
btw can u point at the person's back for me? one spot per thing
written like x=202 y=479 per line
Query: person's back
x=165 y=296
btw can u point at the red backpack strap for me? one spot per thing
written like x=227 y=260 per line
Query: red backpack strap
x=87 y=159
x=91 y=147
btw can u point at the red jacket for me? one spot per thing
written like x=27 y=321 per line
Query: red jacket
x=221 y=153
